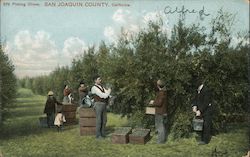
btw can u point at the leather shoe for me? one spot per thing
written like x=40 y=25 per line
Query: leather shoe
x=202 y=143
x=100 y=138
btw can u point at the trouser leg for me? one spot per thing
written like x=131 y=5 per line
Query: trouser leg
x=98 y=119
x=161 y=128
x=101 y=118
x=104 y=120
x=58 y=128
x=165 y=121
x=52 y=119
x=206 y=133
x=48 y=119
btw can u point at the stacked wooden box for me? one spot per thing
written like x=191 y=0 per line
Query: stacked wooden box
x=69 y=110
x=87 y=121
x=121 y=135
x=125 y=135
x=139 y=136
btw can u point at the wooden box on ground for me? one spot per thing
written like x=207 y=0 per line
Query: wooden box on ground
x=139 y=136
x=87 y=121
x=150 y=110
x=69 y=110
x=121 y=135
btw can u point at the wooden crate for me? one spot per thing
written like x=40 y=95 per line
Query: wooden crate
x=139 y=136
x=69 y=108
x=121 y=135
x=150 y=110
x=88 y=121
x=70 y=121
x=86 y=112
x=69 y=111
x=70 y=115
x=84 y=131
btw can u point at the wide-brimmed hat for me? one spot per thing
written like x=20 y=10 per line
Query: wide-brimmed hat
x=50 y=93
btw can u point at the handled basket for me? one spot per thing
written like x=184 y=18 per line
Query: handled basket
x=198 y=124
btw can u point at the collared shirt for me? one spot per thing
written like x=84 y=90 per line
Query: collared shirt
x=200 y=88
x=95 y=90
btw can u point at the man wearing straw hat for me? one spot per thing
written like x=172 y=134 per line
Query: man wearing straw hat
x=50 y=108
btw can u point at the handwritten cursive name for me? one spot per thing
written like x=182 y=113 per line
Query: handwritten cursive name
x=183 y=11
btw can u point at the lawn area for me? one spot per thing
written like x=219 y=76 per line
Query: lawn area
x=22 y=137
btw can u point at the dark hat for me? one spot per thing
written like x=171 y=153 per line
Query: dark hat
x=96 y=77
x=82 y=82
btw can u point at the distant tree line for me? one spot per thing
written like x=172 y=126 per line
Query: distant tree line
x=134 y=63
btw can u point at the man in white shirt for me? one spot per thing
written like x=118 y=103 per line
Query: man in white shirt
x=101 y=96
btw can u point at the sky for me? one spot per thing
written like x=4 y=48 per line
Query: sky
x=40 y=35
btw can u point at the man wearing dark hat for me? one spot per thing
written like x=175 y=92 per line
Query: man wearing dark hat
x=202 y=107
x=160 y=104
x=101 y=96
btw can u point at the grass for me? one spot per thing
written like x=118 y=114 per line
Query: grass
x=21 y=136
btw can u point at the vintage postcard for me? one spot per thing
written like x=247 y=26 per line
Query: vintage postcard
x=53 y=103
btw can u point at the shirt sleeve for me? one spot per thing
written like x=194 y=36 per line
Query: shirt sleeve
x=57 y=102
x=98 y=92
x=194 y=101
x=207 y=100
x=83 y=89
